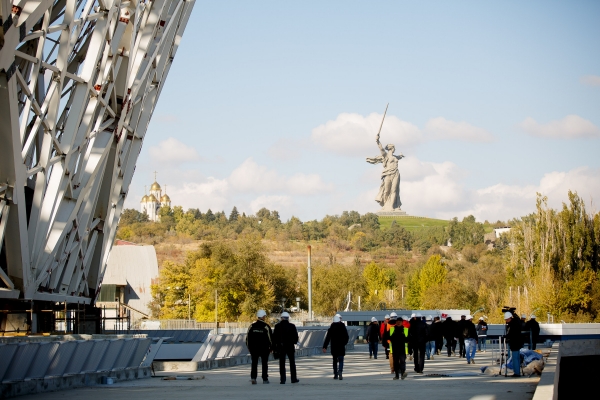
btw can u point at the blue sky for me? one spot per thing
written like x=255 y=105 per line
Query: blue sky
x=277 y=104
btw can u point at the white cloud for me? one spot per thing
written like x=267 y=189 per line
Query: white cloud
x=271 y=202
x=441 y=128
x=172 y=151
x=590 y=80
x=571 y=126
x=438 y=191
x=190 y=189
x=253 y=178
x=354 y=134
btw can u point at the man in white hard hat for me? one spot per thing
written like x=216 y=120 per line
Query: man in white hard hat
x=515 y=341
x=337 y=335
x=382 y=329
x=430 y=345
x=534 y=327
x=396 y=341
x=285 y=337
x=259 y=342
x=417 y=341
x=373 y=337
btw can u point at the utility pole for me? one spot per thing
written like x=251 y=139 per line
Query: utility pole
x=216 y=313
x=310 y=314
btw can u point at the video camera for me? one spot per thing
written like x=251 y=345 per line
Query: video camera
x=511 y=310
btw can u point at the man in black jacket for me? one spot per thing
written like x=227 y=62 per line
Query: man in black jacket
x=449 y=330
x=258 y=341
x=515 y=340
x=534 y=327
x=285 y=337
x=438 y=334
x=471 y=339
x=373 y=337
x=337 y=334
x=460 y=334
x=417 y=340
x=396 y=340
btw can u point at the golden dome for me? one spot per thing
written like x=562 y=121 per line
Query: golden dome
x=165 y=198
x=155 y=186
x=152 y=199
x=144 y=199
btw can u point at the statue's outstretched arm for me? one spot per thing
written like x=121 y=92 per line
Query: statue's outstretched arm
x=383 y=153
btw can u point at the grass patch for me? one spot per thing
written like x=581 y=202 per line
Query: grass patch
x=412 y=223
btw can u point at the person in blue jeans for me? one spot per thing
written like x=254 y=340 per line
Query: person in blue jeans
x=482 y=334
x=430 y=344
x=470 y=339
x=337 y=335
x=373 y=337
x=515 y=341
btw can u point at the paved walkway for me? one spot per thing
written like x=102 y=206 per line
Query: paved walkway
x=363 y=378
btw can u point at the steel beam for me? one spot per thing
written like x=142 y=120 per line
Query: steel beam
x=79 y=80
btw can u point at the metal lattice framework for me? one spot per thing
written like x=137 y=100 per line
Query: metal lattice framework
x=79 y=80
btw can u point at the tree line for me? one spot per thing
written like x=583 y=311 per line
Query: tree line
x=548 y=263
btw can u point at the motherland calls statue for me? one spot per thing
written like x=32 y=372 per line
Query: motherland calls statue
x=389 y=191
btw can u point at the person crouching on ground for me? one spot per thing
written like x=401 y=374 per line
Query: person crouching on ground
x=258 y=341
x=337 y=334
x=396 y=341
x=373 y=337
x=470 y=339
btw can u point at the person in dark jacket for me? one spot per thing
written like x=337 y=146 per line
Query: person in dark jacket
x=470 y=337
x=430 y=344
x=449 y=330
x=460 y=334
x=534 y=327
x=515 y=341
x=337 y=334
x=285 y=337
x=417 y=340
x=481 y=334
x=438 y=334
x=396 y=340
x=373 y=337
x=259 y=342
x=382 y=329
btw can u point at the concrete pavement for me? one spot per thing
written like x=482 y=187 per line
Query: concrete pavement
x=363 y=378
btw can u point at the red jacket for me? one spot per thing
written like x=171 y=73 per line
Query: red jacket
x=383 y=328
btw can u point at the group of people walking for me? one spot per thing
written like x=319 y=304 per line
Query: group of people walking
x=282 y=340
x=416 y=338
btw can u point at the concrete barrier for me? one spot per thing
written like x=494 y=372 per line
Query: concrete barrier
x=49 y=384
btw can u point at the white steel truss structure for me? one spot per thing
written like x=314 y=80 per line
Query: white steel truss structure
x=79 y=80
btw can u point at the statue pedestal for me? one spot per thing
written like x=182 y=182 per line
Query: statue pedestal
x=395 y=213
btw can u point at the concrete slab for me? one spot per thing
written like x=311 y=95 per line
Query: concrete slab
x=363 y=378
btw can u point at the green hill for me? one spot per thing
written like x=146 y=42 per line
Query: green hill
x=411 y=223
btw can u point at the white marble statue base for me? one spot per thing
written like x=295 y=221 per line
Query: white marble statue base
x=395 y=213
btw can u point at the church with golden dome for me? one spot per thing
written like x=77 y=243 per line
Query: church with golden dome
x=151 y=203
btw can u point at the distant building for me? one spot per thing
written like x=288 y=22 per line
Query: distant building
x=151 y=204
x=129 y=273
x=490 y=238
